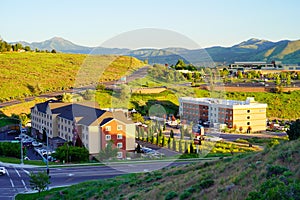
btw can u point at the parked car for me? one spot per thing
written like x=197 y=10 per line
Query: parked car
x=37 y=144
x=11 y=131
x=2 y=170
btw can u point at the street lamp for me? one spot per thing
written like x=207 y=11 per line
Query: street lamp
x=47 y=166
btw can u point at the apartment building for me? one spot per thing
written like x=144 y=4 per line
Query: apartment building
x=246 y=116
x=83 y=124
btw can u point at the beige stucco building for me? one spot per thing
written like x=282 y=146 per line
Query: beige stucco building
x=84 y=125
x=245 y=116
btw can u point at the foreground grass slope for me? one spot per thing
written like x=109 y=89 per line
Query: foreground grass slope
x=274 y=172
x=28 y=74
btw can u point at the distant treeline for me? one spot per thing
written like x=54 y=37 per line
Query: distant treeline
x=6 y=47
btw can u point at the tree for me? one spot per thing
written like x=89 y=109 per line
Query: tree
x=39 y=181
x=277 y=80
x=53 y=51
x=24 y=118
x=138 y=149
x=191 y=148
x=189 y=76
x=108 y=152
x=171 y=133
x=137 y=117
x=163 y=141
x=100 y=87
x=294 y=131
x=44 y=135
x=27 y=48
x=288 y=79
x=70 y=153
x=240 y=74
x=180 y=64
x=88 y=95
x=66 y=98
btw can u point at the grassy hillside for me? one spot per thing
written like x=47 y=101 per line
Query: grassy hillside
x=280 y=105
x=271 y=174
x=27 y=74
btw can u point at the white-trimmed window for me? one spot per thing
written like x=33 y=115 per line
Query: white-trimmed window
x=108 y=137
x=119 y=136
x=120 y=155
x=108 y=128
x=119 y=145
x=119 y=127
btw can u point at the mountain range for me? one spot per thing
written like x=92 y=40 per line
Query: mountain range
x=286 y=51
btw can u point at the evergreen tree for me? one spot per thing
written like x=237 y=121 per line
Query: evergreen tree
x=171 y=133
x=191 y=148
x=294 y=131
x=163 y=141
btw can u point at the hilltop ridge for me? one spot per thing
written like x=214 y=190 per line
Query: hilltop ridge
x=252 y=49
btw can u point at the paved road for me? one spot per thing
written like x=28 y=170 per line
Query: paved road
x=140 y=73
x=17 y=178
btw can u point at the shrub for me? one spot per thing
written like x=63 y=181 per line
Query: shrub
x=273 y=143
x=206 y=183
x=275 y=170
x=170 y=195
x=186 y=194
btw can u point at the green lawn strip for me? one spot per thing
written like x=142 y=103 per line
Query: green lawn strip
x=36 y=195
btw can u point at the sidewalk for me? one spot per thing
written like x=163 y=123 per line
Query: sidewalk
x=19 y=165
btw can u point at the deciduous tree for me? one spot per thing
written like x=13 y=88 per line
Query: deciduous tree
x=39 y=181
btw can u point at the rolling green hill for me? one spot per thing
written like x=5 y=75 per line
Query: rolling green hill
x=27 y=74
x=273 y=173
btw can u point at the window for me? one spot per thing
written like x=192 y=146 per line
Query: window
x=107 y=137
x=119 y=136
x=248 y=111
x=248 y=123
x=107 y=128
x=120 y=155
x=119 y=145
x=119 y=127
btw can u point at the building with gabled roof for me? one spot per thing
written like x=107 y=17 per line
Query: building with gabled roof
x=83 y=124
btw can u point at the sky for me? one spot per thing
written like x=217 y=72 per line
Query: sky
x=206 y=22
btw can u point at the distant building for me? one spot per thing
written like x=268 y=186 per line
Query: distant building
x=84 y=125
x=250 y=65
x=246 y=115
x=262 y=66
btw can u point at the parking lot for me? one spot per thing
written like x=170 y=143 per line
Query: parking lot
x=35 y=150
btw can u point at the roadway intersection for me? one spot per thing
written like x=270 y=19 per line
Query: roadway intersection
x=17 y=178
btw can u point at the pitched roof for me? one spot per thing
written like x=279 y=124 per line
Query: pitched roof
x=106 y=120
x=85 y=113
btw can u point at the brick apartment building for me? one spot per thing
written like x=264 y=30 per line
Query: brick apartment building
x=246 y=115
x=83 y=124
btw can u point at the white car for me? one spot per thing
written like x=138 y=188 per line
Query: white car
x=37 y=144
x=2 y=170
